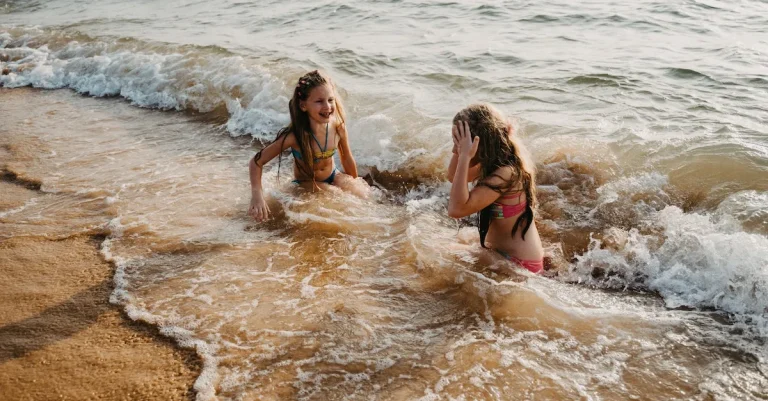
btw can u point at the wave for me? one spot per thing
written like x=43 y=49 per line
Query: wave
x=686 y=73
x=669 y=10
x=491 y=11
x=11 y=6
x=167 y=77
x=354 y=63
x=748 y=207
x=758 y=81
x=211 y=81
x=540 y=19
x=641 y=236
x=597 y=80
x=691 y=260
x=578 y=196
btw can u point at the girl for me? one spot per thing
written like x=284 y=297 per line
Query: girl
x=316 y=131
x=486 y=152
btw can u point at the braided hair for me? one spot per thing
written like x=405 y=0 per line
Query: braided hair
x=300 y=125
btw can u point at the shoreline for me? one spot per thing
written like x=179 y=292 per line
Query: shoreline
x=60 y=337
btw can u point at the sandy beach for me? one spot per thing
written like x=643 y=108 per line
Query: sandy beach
x=60 y=338
x=131 y=269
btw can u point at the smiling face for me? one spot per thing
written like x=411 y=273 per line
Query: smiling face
x=320 y=104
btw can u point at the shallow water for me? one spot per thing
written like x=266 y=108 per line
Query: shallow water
x=645 y=121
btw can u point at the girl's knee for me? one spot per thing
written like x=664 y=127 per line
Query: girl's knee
x=357 y=186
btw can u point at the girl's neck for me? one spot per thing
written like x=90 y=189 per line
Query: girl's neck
x=316 y=127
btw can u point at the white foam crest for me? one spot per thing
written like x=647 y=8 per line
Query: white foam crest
x=336 y=208
x=174 y=326
x=264 y=114
x=699 y=262
x=748 y=207
x=188 y=80
x=374 y=140
x=307 y=217
x=205 y=384
x=438 y=254
x=423 y=198
x=650 y=184
x=171 y=78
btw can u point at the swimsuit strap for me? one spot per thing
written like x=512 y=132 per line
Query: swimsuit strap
x=323 y=153
x=513 y=194
x=322 y=148
x=502 y=211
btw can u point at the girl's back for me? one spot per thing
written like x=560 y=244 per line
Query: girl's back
x=505 y=194
x=504 y=214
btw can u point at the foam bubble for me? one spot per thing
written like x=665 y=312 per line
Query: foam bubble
x=699 y=261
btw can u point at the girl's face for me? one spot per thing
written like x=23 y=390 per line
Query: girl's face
x=320 y=104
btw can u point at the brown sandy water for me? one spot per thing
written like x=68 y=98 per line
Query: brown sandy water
x=343 y=298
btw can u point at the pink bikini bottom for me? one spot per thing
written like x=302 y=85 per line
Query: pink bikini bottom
x=534 y=266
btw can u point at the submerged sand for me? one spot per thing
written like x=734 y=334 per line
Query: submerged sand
x=60 y=338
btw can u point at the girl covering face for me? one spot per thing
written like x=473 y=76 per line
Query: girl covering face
x=486 y=152
x=316 y=132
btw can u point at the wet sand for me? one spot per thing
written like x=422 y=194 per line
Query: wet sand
x=60 y=338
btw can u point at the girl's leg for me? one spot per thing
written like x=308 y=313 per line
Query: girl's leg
x=356 y=186
x=311 y=186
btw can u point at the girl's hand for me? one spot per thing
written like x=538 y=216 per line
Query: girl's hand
x=455 y=149
x=258 y=209
x=467 y=145
x=341 y=129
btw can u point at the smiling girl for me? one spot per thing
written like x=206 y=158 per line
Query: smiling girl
x=317 y=130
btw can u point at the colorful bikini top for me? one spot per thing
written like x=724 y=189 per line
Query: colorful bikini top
x=324 y=152
x=501 y=211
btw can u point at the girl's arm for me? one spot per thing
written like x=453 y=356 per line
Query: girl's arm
x=259 y=209
x=347 y=160
x=463 y=202
x=474 y=169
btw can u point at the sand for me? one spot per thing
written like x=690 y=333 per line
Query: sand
x=60 y=338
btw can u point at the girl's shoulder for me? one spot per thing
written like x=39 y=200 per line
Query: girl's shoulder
x=504 y=176
x=505 y=173
x=287 y=136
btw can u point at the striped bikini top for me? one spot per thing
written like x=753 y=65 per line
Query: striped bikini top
x=324 y=152
x=501 y=211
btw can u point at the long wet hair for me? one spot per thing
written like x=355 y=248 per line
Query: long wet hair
x=300 y=125
x=498 y=148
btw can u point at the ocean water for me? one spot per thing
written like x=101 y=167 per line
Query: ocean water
x=647 y=122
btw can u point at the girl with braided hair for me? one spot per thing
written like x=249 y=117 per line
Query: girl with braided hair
x=316 y=131
x=504 y=196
